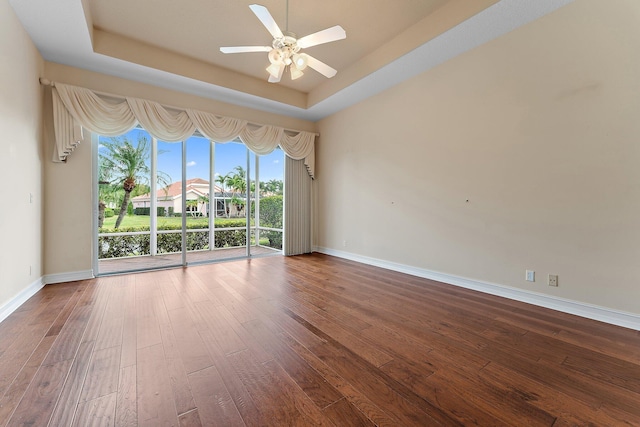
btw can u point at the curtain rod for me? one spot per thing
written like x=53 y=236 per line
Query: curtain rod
x=47 y=82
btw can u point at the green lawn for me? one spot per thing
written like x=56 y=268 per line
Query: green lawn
x=144 y=221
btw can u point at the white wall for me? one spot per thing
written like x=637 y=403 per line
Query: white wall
x=21 y=158
x=539 y=130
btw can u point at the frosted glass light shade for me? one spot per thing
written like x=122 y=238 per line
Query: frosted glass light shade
x=295 y=73
x=300 y=59
x=276 y=70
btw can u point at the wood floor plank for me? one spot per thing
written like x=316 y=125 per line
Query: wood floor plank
x=356 y=397
x=309 y=380
x=99 y=412
x=11 y=328
x=14 y=358
x=192 y=351
x=572 y=411
x=237 y=390
x=190 y=419
x=293 y=393
x=102 y=375
x=148 y=331
x=349 y=415
x=156 y=406
x=24 y=377
x=267 y=395
x=49 y=311
x=390 y=395
x=126 y=408
x=110 y=334
x=223 y=332
x=66 y=311
x=491 y=399
x=182 y=396
x=306 y=340
x=66 y=345
x=214 y=403
x=39 y=399
x=129 y=328
x=69 y=398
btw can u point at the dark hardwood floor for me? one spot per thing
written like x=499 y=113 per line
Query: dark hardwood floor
x=308 y=340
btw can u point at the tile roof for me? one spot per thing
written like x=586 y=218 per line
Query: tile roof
x=197 y=185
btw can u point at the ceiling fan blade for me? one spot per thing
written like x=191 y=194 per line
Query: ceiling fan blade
x=320 y=67
x=244 y=49
x=325 y=36
x=267 y=20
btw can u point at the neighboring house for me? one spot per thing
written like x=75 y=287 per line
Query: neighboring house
x=170 y=198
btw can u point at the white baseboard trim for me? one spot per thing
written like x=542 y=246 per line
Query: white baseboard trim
x=590 y=311
x=68 y=277
x=14 y=303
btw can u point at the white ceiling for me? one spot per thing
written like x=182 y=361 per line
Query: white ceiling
x=128 y=32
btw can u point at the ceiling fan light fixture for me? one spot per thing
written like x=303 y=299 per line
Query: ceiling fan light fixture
x=274 y=56
x=276 y=70
x=285 y=47
x=295 y=72
x=301 y=60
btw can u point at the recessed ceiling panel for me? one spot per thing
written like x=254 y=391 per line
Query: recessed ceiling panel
x=198 y=28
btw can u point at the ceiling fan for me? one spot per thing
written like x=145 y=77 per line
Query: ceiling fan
x=285 y=49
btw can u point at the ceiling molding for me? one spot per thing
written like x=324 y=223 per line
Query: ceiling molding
x=63 y=33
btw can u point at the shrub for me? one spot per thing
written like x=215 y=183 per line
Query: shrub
x=275 y=238
x=271 y=216
x=120 y=246
x=271 y=211
x=108 y=213
x=110 y=246
x=160 y=210
x=142 y=211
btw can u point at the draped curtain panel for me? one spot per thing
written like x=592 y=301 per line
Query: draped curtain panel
x=76 y=108
x=297 y=209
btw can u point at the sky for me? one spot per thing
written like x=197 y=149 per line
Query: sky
x=227 y=156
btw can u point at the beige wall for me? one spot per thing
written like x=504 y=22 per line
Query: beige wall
x=539 y=130
x=68 y=246
x=21 y=170
x=68 y=223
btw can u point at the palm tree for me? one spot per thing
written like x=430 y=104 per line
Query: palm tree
x=239 y=184
x=204 y=201
x=273 y=186
x=127 y=167
x=223 y=180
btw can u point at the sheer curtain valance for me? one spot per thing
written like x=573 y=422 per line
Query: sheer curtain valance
x=75 y=108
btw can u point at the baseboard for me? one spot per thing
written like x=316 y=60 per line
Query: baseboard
x=589 y=311
x=13 y=304
x=68 y=277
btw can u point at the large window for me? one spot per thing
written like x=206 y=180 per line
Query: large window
x=170 y=204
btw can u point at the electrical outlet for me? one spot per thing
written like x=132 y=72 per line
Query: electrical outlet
x=344 y=243
x=553 y=280
x=530 y=276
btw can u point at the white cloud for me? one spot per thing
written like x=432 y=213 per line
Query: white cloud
x=191 y=163
x=276 y=161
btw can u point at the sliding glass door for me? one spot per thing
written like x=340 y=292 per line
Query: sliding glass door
x=191 y=202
